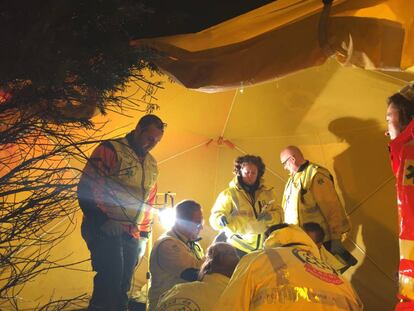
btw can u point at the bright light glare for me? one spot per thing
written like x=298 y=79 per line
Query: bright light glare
x=166 y=217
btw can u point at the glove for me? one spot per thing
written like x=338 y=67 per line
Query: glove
x=223 y=222
x=112 y=228
x=266 y=216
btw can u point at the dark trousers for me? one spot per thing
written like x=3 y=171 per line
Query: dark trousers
x=114 y=260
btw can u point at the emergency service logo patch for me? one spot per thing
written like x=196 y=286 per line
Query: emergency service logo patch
x=408 y=177
x=316 y=267
x=179 y=304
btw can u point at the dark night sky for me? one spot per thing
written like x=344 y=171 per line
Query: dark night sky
x=186 y=16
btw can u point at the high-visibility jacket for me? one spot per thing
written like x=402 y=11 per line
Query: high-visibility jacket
x=170 y=256
x=245 y=229
x=402 y=157
x=310 y=196
x=118 y=184
x=195 y=296
x=131 y=184
x=287 y=275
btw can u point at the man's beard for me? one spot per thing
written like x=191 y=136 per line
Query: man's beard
x=141 y=151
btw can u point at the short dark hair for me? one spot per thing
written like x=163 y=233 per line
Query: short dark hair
x=404 y=107
x=185 y=209
x=316 y=228
x=248 y=158
x=151 y=119
x=273 y=228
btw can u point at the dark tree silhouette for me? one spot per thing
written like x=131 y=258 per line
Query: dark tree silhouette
x=62 y=62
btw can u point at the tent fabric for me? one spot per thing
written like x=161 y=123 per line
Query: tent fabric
x=283 y=37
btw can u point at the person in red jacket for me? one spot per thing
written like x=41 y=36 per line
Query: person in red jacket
x=400 y=120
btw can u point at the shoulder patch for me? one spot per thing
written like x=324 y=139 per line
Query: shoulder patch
x=317 y=267
x=182 y=304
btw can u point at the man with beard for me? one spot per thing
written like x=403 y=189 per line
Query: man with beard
x=115 y=193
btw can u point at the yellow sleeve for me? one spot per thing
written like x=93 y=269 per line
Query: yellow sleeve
x=222 y=207
x=325 y=196
x=276 y=211
x=173 y=256
x=239 y=291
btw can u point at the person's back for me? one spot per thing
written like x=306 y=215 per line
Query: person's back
x=287 y=277
x=197 y=296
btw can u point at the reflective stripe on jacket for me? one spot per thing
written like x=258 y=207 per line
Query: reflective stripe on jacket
x=311 y=194
x=245 y=230
x=284 y=277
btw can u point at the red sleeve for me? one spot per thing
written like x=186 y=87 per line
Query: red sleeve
x=101 y=164
x=153 y=195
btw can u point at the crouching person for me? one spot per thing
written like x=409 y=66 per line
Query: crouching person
x=177 y=256
x=288 y=274
x=214 y=275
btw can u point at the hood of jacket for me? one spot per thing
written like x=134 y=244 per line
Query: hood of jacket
x=291 y=234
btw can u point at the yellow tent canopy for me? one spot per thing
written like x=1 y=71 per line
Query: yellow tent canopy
x=285 y=36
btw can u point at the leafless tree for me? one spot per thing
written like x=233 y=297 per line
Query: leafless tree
x=40 y=160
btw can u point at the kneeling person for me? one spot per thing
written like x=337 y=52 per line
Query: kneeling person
x=287 y=275
x=176 y=256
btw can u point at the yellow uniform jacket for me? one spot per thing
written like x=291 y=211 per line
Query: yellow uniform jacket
x=245 y=229
x=170 y=256
x=287 y=275
x=310 y=196
x=194 y=296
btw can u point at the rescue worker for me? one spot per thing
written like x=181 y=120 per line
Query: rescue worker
x=310 y=196
x=400 y=115
x=317 y=235
x=247 y=207
x=287 y=275
x=177 y=256
x=202 y=295
x=115 y=193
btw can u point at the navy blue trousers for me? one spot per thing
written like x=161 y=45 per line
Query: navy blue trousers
x=114 y=260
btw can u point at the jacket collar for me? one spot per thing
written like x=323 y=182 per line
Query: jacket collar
x=303 y=166
x=404 y=137
x=234 y=183
x=397 y=144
